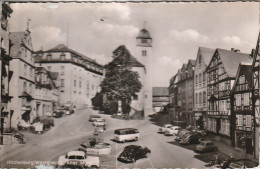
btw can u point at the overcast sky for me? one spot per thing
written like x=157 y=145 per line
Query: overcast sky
x=177 y=29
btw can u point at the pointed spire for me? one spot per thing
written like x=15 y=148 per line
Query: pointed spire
x=28 y=24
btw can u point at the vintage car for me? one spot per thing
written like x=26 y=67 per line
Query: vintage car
x=78 y=158
x=164 y=128
x=191 y=138
x=181 y=133
x=93 y=117
x=132 y=153
x=172 y=130
x=99 y=122
x=206 y=146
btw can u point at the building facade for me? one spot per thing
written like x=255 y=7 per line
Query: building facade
x=160 y=98
x=221 y=73
x=200 y=86
x=5 y=72
x=79 y=76
x=22 y=86
x=46 y=93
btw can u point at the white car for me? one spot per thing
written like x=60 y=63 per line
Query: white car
x=172 y=130
x=99 y=122
x=78 y=158
x=164 y=128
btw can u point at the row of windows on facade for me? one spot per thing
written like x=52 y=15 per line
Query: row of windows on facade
x=62 y=84
x=224 y=128
x=200 y=98
x=201 y=78
x=244 y=120
x=26 y=54
x=81 y=61
x=219 y=105
x=30 y=88
x=214 y=89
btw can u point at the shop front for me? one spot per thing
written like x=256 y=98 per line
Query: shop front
x=245 y=140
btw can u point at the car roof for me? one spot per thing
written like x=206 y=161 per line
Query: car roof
x=176 y=127
x=94 y=115
x=167 y=125
x=126 y=129
x=76 y=153
x=132 y=146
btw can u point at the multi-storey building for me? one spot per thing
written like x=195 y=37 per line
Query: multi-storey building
x=160 y=98
x=22 y=83
x=221 y=73
x=175 y=103
x=79 y=75
x=242 y=117
x=200 y=85
x=5 y=72
x=185 y=92
x=46 y=92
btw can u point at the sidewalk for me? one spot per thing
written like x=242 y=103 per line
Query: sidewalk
x=8 y=150
x=224 y=146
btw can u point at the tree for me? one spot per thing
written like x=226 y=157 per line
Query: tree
x=121 y=83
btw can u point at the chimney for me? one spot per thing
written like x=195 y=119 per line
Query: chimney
x=237 y=50
x=232 y=49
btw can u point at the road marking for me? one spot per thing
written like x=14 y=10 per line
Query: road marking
x=147 y=157
x=79 y=127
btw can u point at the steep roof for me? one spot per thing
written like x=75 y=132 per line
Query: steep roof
x=231 y=60
x=206 y=54
x=54 y=75
x=63 y=48
x=16 y=39
x=123 y=56
x=192 y=62
x=160 y=91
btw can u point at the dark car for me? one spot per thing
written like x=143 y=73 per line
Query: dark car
x=93 y=117
x=190 y=139
x=58 y=113
x=206 y=146
x=181 y=133
x=132 y=153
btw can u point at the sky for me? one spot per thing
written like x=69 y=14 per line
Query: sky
x=177 y=29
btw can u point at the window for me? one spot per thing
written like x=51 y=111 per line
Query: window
x=248 y=121
x=200 y=99
x=204 y=76
x=31 y=72
x=238 y=99
x=49 y=68
x=79 y=83
x=93 y=87
x=246 y=99
x=242 y=79
x=61 y=82
x=196 y=98
x=199 y=59
x=25 y=70
x=30 y=88
x=144 y=53
x=240 y=120
x=75 y=82
x=204 y=97
x=24 y=86
x=200 y=78
x=196 y=79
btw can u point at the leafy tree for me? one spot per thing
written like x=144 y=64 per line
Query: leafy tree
x=120 y=82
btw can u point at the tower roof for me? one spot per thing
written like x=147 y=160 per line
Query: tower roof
x=144 y=34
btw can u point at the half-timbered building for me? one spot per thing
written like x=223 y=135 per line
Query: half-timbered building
x=221 y=73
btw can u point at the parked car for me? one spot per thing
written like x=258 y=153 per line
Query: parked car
x=99 y=122
x=58 y=113
x=206 y=146
x=132 y=153
x=78 y=158
x=181 y=133
x=92 y=118
x=190 y=139
x=67 y=112
x=164 y=128
x=126 y=134
x=200 y=132
x=172 y=130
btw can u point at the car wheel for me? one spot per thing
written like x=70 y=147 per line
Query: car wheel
x=94 y=166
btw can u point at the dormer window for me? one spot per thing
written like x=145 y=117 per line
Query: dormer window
x=144 y=53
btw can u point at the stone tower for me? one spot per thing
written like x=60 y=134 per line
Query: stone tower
x=144 y=55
